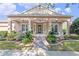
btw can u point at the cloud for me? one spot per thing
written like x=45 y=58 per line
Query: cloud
x=58 y=10
x=7 y=8
x=27 y=5
x=63 y=13
x=68 y=10
x=15 y=12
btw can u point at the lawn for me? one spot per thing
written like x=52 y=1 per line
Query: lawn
x=71 y=45
x=67 y=45
x=9 y=45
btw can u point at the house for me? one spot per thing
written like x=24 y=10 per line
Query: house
x=4 y=25
x=39 y=20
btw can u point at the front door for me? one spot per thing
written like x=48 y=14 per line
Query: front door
x=39 y=28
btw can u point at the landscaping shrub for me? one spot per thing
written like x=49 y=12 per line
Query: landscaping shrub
x=29 y=35
x=3 y=33
x=2 y=39
x=11 y=36
x=27 y=38
x=66 y=37
x=51 y=38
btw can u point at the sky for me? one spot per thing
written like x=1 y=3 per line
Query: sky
x=16 y=8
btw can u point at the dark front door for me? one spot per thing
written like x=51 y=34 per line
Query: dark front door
x=39 y=29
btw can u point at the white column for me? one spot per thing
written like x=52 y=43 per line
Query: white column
x=9 y=25
x=60 y=29
x=68 y=27
x=29 y=26
x=16 y=27
x=34 y=28
x=50 y=23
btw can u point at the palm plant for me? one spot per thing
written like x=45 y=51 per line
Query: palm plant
x=27 y=37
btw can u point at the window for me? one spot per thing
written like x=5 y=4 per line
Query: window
x=54 y=28
x=24 y=27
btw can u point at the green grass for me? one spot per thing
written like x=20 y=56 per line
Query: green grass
x=74 y=45
x=66 y=46
x=9 y=45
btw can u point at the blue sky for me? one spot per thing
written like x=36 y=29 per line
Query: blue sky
x=16 y=8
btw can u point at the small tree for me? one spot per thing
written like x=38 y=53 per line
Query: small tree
x=74 y=28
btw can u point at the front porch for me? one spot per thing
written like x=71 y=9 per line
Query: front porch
x=38 y=26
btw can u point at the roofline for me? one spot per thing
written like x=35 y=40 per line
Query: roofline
x=63 y=16
x=3 y=22
x=38 y=6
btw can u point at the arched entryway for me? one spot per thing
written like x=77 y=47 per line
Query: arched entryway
x=39 y=28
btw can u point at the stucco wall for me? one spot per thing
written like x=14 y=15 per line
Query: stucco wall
x=4 y=26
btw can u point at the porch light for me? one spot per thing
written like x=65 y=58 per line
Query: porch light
x=56 y=20
x=68 y=20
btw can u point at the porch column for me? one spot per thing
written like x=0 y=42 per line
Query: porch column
x=49 y=25
x=68 y=27
x=60 y=30
x=9 y=25
x=29 y=25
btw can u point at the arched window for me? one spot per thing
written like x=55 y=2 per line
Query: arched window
x=54 y=28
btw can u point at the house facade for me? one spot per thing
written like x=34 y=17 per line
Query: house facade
x=39 y=20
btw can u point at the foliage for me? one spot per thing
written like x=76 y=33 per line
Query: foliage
x=51 y=32
x=27 y=37
x=3 y=33
x=74 y=28
x=51 y=38
x=12 y=35
x=25 y=40
x=64 y=31
x=9 y=45
x=2 y=39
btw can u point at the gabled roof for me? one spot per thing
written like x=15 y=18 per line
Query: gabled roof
x=39 y=10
